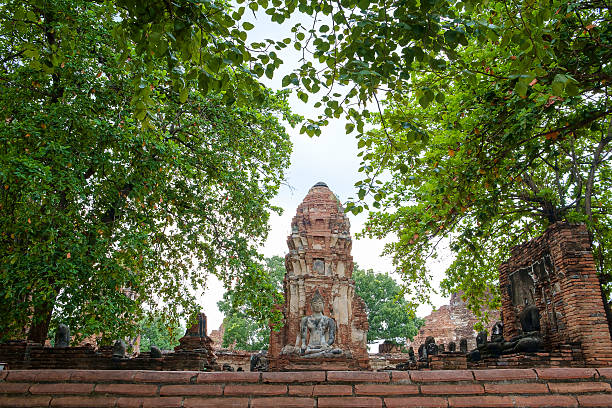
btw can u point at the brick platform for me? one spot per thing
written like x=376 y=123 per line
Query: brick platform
x=540 y=387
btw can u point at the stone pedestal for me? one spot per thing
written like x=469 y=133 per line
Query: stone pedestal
x=319 y=259
x=556 y=273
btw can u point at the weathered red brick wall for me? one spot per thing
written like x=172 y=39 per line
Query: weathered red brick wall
x=234 y=358
x=558 y=387
x=560 y=269
x=28 y=355
x=217 y=337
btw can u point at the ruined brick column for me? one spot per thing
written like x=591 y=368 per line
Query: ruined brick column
x=320 y=259
x=556 y=272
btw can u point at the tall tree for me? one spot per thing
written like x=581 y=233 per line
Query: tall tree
x=388 y=313
x=105 y=217
x=512 y=136
x=242 y=330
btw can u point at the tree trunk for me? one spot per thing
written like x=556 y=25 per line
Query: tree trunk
x=40 y=323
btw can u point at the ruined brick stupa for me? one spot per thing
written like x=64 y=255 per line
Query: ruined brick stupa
x=318 y=286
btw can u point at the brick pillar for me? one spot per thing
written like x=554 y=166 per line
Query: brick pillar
x=570 y=251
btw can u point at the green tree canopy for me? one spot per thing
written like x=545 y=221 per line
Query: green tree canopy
x=155 y=331
x=513 y=135
x=388 y=313
x=104 y=220
x=242 y=330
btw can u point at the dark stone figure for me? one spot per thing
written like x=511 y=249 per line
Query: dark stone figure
x=452 y=347
x=497 y=333
x=481 y=339
x=227 y=367
x=431 y=348
x=411 y=354
x=259 y=361
x=484 y=348
x=441 y=348
x=155 y=352
x=474 y=355
x=119 y=349
x=481 y=345
x=422 y=353
x=463 y=345
x=62 y=336
x=530 y=319
x=531 y=340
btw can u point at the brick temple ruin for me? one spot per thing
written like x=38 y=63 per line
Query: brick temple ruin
x=319 y=265
x=555 y=274
x=194 y=352
x=451 y=323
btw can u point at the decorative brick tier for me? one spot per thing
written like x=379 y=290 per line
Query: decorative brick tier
x=558 y=387
x=556 y=273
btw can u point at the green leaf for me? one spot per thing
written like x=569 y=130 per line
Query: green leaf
x=558 y=84
x=521 y=88
x=184 y=93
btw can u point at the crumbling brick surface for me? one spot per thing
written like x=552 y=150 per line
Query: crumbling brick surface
x=570 y=387
x=195 y=352
x=556 y=272
x=451 y=323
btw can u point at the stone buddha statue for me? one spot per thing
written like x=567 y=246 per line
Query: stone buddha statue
x=317 y=331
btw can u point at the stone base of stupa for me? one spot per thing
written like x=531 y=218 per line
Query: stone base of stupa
x=299 y=363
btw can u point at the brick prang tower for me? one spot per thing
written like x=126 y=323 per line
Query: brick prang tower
x=320 y=259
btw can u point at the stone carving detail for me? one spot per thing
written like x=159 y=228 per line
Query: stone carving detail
x=452 y=347
x=528 y=342
x=497 y=333
x=319 y=264
x=530 y=319
x=62 y=336
x=259 y=361
x=431 y=348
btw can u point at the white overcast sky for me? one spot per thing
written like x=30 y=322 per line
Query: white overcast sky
x=331 y=158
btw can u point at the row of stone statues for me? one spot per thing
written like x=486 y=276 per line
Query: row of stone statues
x=530 y=341
x=62 y=340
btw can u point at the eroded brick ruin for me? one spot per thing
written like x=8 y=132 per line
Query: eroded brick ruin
x=451 y=323
x=193 y=353
x=556 y=273
x=319 y=260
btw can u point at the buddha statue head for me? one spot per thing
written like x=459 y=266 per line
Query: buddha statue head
x=317 y=304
